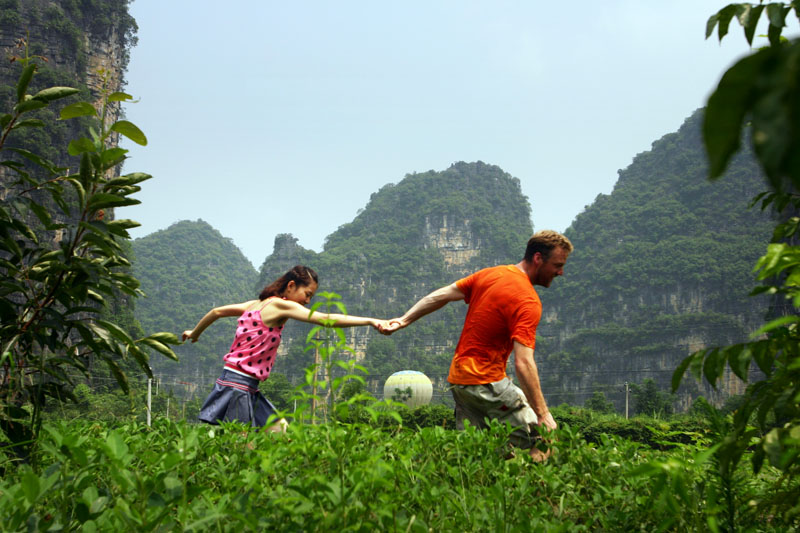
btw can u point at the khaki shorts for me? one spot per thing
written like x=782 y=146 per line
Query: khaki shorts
x=502 y=401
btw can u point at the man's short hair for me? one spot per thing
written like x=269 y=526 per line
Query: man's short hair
x=544 y=242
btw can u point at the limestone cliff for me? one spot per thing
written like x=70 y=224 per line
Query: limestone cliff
x=83 y=45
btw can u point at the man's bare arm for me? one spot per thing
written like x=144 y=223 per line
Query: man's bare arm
x=528 y=376
x=426 y=305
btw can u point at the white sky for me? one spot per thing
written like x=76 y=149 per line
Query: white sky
x=268 y=117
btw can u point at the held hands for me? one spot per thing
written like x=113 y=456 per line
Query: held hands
x=388 y=327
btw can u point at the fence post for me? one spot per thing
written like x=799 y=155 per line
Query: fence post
x=626 y=400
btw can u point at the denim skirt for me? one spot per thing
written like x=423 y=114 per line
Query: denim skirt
x=236 y=397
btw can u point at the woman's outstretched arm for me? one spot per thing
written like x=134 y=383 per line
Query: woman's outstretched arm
x=213 y=315
x=289 y=309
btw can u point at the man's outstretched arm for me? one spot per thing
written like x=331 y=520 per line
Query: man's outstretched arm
x=428 y=304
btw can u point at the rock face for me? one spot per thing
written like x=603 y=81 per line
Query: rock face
x=84 y=45
x=454 y=239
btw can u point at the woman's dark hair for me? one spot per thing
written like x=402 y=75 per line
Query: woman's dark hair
x=301 y=275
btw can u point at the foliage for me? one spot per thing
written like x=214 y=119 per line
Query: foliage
x=278 y=390
x=329 y=343
x=650 y=400
x=599 y=403
x=52 y=295
x=761 y=93
x=357 y=478
x=657 y=433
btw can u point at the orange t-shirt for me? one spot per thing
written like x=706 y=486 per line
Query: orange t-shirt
x=503 y=308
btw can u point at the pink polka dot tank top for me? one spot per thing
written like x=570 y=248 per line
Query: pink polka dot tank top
x=254 y=347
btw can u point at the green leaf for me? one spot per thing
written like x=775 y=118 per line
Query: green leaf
x=725 y=112
x=116 y=331
x=119 y=97
x=78 y=109
x=29 y=105
x=774 y=35
x=775 y=324
x=763 y=356
x=677 y=376
x=29 y=123
x=80 y=146
x=739 y=360
x=78 y=189
x=711 y=24
x=42 y=214
x=33 y=158
x=159 y=347
x=54 y=93
x=85 y=171
x=116 y=446
x=130 y=179
x=162 y=336
x=124 y=223
x=105 y=200
x=4 y=120
x=724 y=16
x=131 y=131
x=31 y=486
x=112 y=156
x=24 y=81
x=714 y=366
x=96 y=296
x=776 y=15
x=749 y=20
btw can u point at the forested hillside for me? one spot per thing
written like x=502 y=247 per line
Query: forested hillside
x=427 y=230
x=662 y=267
x=185 y=270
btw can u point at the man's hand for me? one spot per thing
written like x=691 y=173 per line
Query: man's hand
x=188 y=335
x=547 y=421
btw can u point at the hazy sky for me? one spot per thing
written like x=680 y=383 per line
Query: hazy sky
x=269 y=117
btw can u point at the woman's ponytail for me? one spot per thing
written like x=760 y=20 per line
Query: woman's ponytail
x=301 y=275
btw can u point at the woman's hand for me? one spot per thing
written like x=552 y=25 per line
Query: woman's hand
x=188 y=335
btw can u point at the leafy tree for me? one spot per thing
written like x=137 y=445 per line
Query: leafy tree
x=278 y=390
x=352 y=388
x=52 y=296
x=649 y=400
x=599 y=403
x=760 y=94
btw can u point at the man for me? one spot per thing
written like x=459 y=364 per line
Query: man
x=503 y=313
